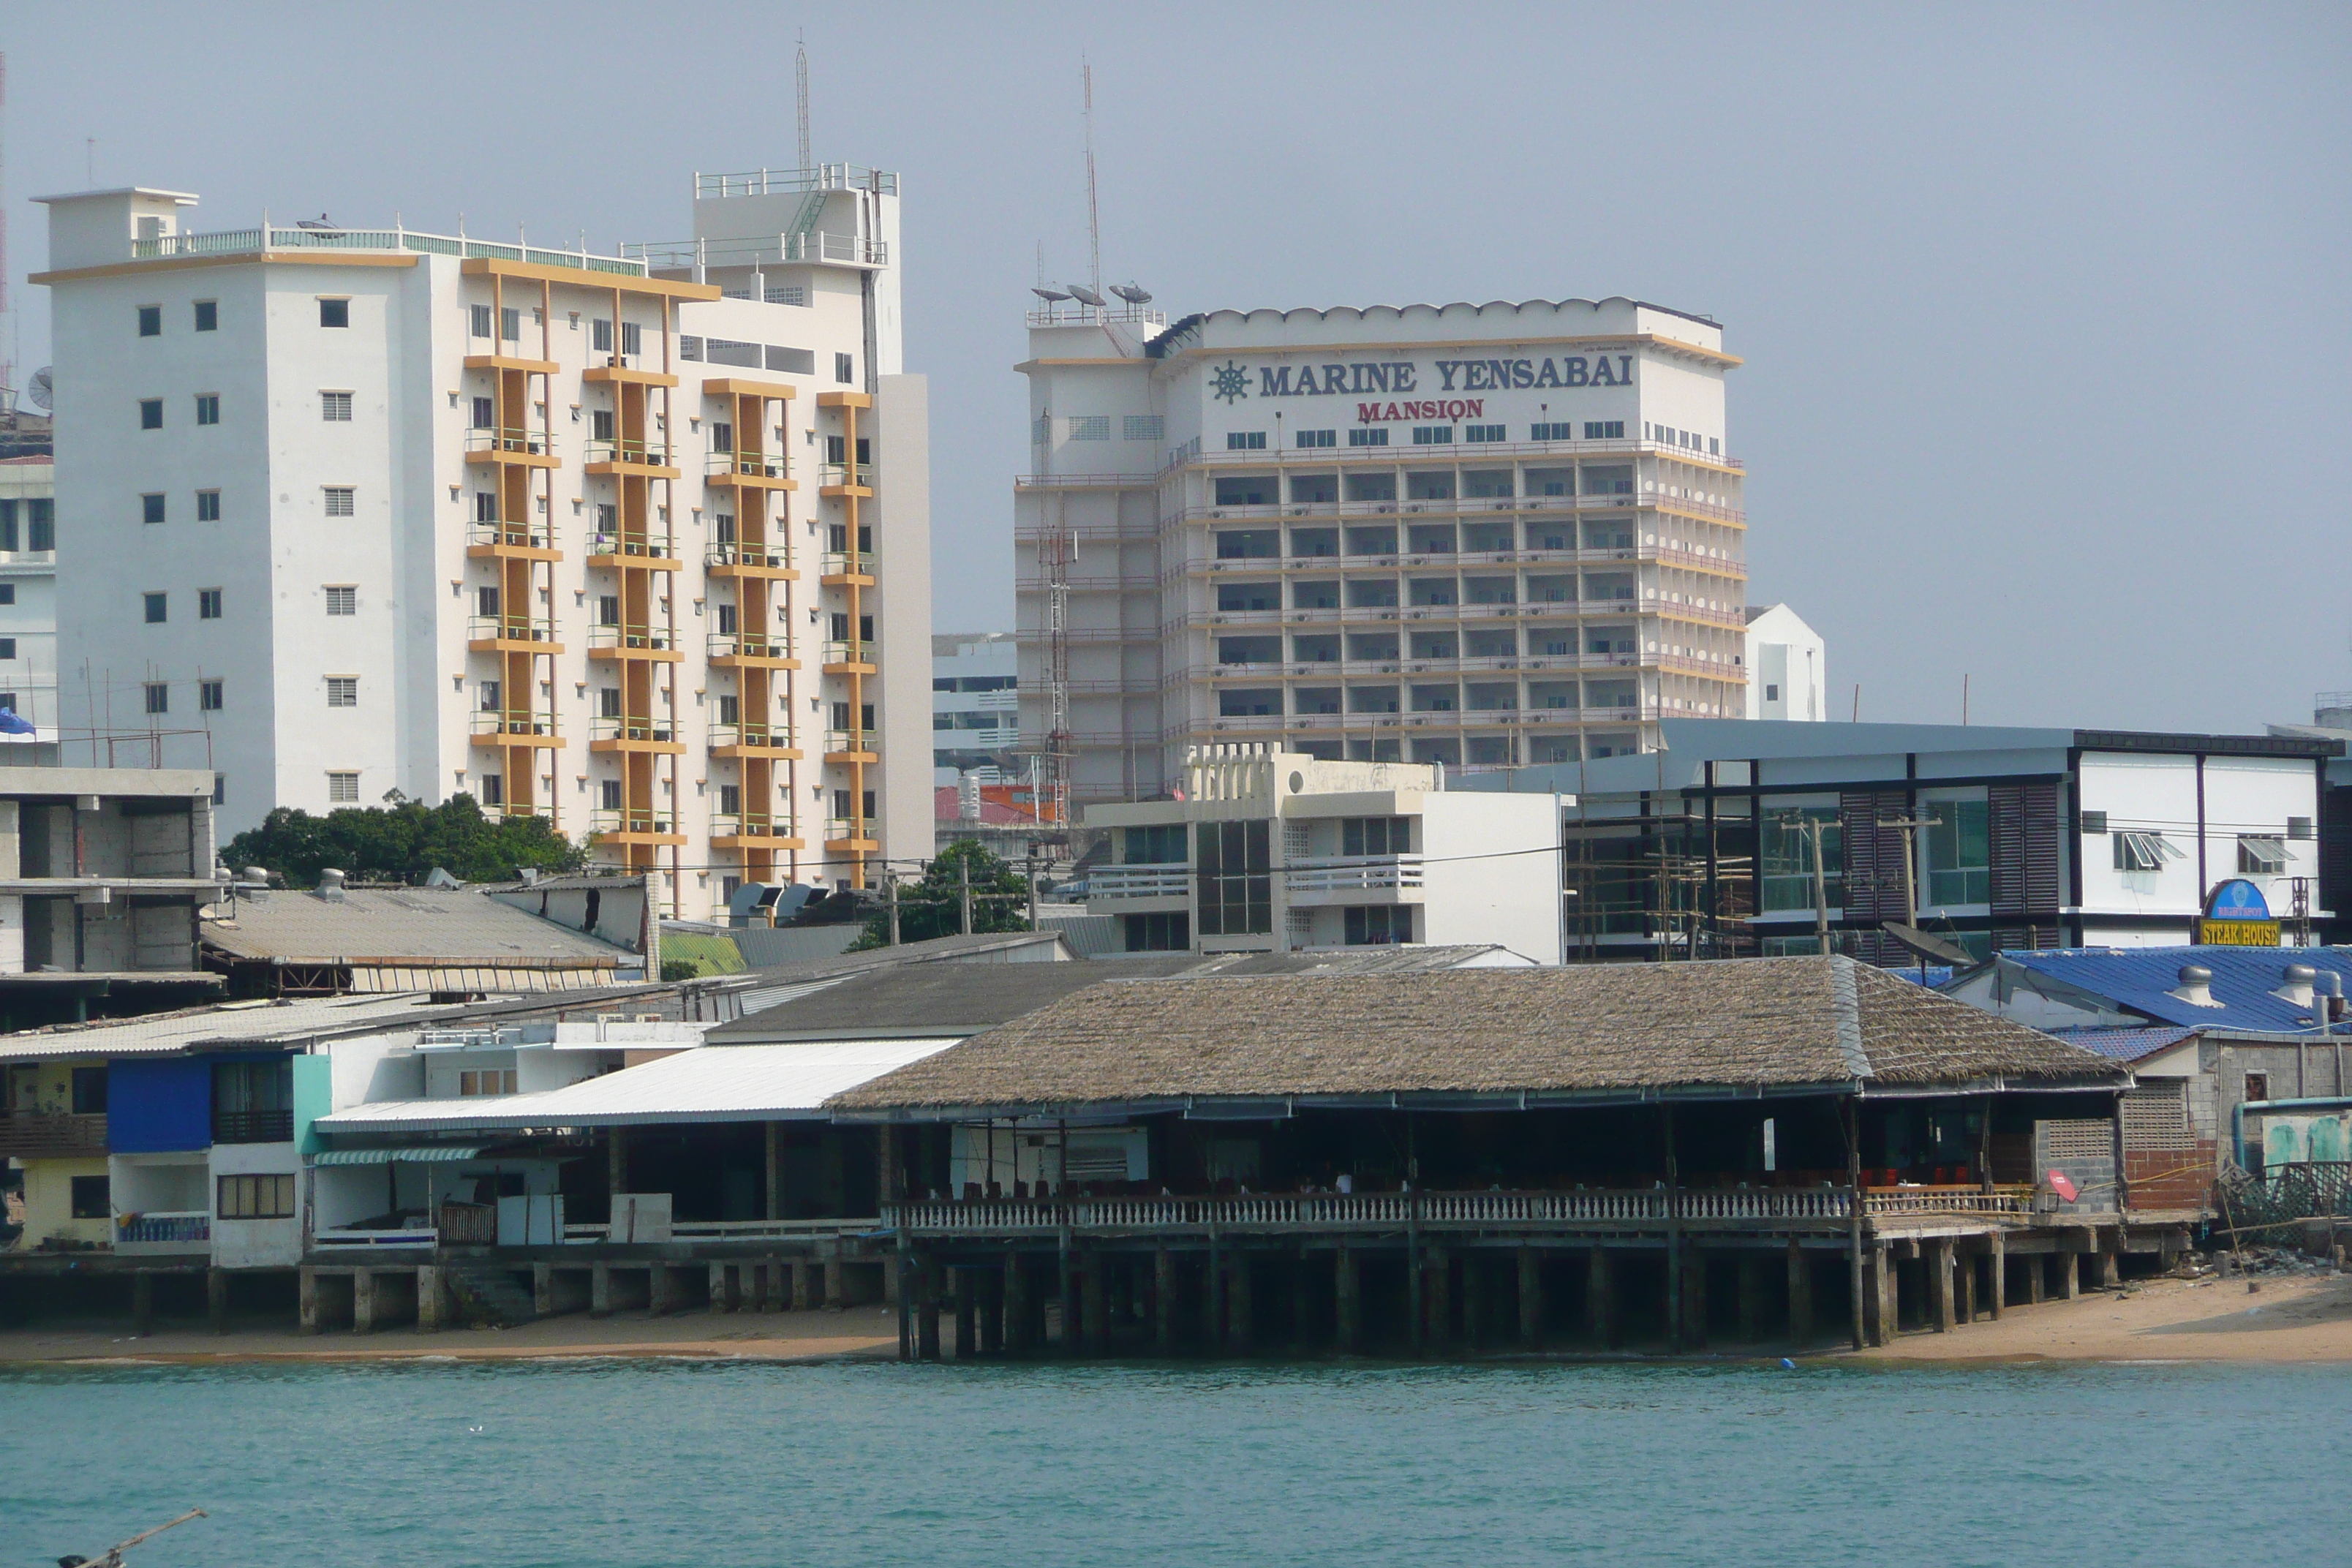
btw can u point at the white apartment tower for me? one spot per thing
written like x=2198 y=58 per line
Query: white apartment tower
x=1471 y=536
x=638 y=543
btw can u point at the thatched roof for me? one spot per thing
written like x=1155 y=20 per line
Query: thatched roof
x=1580 y=1034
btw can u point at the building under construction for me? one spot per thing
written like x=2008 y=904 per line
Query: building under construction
x=1760 y=839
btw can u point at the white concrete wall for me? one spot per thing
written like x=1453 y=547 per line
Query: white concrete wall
x=901 y=601
x=2158 y=794
x=255 y=1243
x=1509 y=897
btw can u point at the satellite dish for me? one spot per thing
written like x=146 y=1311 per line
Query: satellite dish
x=1084 y=295
x=1933 y=949
x=1134 y=294
x=322 y=223
x=42 y=392
x=1051 y=296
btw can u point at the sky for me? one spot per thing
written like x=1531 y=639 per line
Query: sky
x=2043 y=309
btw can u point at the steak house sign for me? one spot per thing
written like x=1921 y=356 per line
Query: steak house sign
x=1231 y=382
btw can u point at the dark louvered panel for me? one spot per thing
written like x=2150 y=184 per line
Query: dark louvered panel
x=1874 y=868
x=2026 y=859
x=2045 y=841
x=2005 y=816
x=2336 y=855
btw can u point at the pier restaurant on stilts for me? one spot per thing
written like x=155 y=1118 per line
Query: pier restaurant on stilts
x=1793 y=1152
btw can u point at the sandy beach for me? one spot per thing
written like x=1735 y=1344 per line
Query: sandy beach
x=2284 y=1320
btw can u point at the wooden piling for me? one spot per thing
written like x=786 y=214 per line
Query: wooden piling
x=1163 y=1302
x=1531 y=1302
x=1094 y=1323
x=1239 y=1325
x=1801 y=1295
x=837 y=1284
x=1997 y=1249
x=2070 y=1276
x=991 y=1311
x=2037 y=1277
x=1474 y=1300
x=143 y=1304
x=1346 y=1278
x=217 y=1300
x=964 y=1287
x=1437 y=1299
x=1964 y=1285
x=1693 y=1328
x=306 y=1297
x=926 y=1308
x=1939 y=1284
x=1752 y=1297
x=1600 y=1297
x=362 y=1300
x=804 y=1283
x=1302 y=1306
x=430 y=1292
x=600 y=1289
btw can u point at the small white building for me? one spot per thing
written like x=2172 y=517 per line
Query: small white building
x=28 y=601
x=1788 y=666
x=975 y=707
x=1265 y=850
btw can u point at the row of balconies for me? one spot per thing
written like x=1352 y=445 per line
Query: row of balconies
x=614 y=733
x=743 y=827
x=1609 y=606
x=1313 y=875
x=1649 y=498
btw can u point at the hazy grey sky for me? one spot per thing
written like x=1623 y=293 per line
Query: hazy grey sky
x=2044 y=308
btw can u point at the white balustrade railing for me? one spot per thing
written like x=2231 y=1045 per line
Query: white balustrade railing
x=1385 y=1210
x=1139 y=881
x=1352 y=873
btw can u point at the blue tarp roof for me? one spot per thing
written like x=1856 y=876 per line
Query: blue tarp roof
x=2125 y=1045
x=2143 y=978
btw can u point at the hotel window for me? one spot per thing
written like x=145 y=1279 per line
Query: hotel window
x=208 y=408
x=844 y=369
x=1604 y=429
x=1319 y=437
x=344 y=600
x=2143 y=851
x=1244 y=440
x=151 y=414
x=256 y=1197
x=208 y=506
x=477 y=321
x=1713 y=448
x=334 y=313
x=1561 y=431
x=1483 y=432
x=208 y=315
x=1376 y=836
x=1168 y=932
x=1789 y=857
x=40 y=524
x=157 y=606
x=338 y=500
x=1234 y=871
x=208 y=604
x=7 y=592
x=632 y=337
x=484 y=413
x=208 y=696
x=1960 y=853
x=1432 y=435
x=600 y=335
x=2262 y=855
x=7 y=701
x=343 y=691
x=335 y=407
x=158 y=696
x=510 y=324
x=342 y=789
x=7 y=650
x=1083 y=427
x=1143 y=428
x=1378 y=437
x=151 y=508
x=487 y=1080
x=151 y=321
x=494 y=790
x=1380 y=925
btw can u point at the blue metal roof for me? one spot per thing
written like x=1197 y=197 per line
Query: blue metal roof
x=2142 y=979
x=2125 y=1045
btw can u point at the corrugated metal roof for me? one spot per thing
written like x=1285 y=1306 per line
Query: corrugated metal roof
x=2126 y=1045
x=942 y=1001
x=164 y=1034
x=2143 y=978
x=709 y=1083
x=457 y=925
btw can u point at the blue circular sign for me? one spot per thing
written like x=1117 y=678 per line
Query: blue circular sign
x=2238 y=900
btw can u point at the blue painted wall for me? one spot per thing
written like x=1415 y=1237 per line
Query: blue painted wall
x=158 y=1107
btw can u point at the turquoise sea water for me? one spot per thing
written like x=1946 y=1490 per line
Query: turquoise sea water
x=584 y=1465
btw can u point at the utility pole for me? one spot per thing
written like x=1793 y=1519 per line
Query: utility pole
x=964 y=875
x=1909 y=826
x=890 y=898
x=1031 y=866
x=1811 y=827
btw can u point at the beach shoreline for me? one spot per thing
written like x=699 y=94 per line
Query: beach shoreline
x=2282 y=1320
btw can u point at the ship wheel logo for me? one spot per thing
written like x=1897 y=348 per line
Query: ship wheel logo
x=1232 y=382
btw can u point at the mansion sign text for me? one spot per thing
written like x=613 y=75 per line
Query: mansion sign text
x=1231 y=382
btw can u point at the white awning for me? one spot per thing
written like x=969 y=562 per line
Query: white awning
x=426 y=1154
x=707 y=1083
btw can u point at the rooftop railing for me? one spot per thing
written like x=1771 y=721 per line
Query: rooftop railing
x=699 y=256
x=1352 y=873
x=796 y=182
x=250 y=241
x=1139 y=881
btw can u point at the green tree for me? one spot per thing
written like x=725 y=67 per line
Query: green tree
x=934 y=906
x=402 y=843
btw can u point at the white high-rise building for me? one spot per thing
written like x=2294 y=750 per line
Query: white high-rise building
x=1469 y=535
x=639 y=543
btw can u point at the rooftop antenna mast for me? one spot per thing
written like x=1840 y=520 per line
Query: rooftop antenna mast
x=7 y=317
x=1094 y=220
x=799 y=90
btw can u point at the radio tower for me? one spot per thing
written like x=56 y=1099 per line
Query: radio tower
x=7 y=318
x=800 y=93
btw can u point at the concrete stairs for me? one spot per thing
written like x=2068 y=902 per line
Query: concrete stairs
x=487 y=1294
